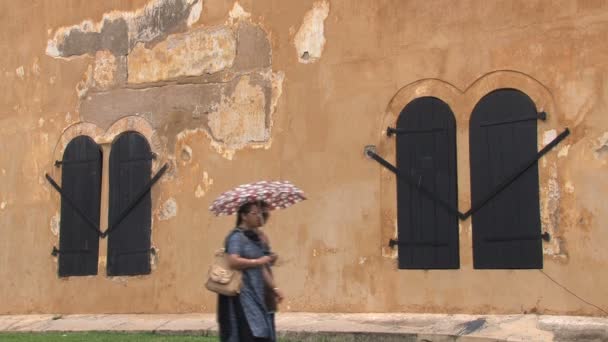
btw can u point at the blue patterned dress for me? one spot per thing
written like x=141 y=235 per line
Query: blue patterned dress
x=244 y=315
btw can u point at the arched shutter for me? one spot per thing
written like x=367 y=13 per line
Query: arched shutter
x=506 y=231
x=426 y=152
x=129 y=241
x=81 y=182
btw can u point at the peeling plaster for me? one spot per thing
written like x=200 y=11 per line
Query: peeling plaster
x=195 y=13
x=40 y=122
x=310 y=38
x=550 y=216
x=55 y=224
x=82 y=87
x=36 y=67
x=186 y=153
x=237 y=13
x=549 y=136
x=3 y=205
x=20 y=72
x=119 y=32
x=569 y=187
x=602 y=146
x=168 y=210
x=199 y=192
x=238 y=106
x=563 y=152
x=207 y=183
x=154 y=257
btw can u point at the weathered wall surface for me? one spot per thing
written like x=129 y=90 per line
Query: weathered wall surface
x=229 y=93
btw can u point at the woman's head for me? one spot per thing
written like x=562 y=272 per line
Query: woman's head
x=265 y=208
x=249 y=215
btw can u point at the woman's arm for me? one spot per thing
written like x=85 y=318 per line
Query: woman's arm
x=237 y=262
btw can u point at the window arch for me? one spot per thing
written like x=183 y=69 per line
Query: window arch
x=503 y=135
x=81 y=183
x=426 y=153
x=130 y=225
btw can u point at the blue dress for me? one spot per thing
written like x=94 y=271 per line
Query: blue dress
x=245 y=317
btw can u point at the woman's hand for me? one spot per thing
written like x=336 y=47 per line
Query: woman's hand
x=266 y=259
x=273 y=257
x=279 y=294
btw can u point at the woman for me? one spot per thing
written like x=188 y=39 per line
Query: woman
x=245 y=317
x=272 y=295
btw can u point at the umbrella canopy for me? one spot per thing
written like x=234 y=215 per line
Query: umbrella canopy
x=277 y=194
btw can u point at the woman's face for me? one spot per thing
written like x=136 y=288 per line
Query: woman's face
x=253 y=219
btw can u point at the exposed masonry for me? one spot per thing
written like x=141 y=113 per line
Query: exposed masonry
x=310 y=38
x=218 y=80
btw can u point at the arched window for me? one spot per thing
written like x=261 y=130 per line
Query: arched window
x=426 y=153
x=130 y=205
x=81 y=183
x=506 y=230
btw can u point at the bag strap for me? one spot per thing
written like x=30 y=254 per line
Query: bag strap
x=234 y=231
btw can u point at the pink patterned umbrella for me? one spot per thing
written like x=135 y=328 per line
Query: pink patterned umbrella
x=277 y=194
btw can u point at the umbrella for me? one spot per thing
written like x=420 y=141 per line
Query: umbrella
x=277 y=194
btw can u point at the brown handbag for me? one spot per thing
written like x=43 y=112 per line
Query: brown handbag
x=221 y=278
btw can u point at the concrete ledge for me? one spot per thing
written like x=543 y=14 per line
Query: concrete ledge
x=337 y=327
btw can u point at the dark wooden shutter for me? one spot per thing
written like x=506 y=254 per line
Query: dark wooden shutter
x=506 y=231
x=129 y=242
x=81 y=181
x=426 y=152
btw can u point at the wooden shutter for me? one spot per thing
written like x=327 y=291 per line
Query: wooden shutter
x=426 y=152
x=506 y=231
x=129 y=242
x=81 y=181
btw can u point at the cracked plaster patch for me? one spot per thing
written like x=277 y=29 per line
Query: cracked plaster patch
x=189 y=54
x=228 y=148
x=310 y=38
x=241 y=118
x=105 y=69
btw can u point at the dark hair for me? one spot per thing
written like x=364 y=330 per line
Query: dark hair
x=243 y=209
x=265 y=210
